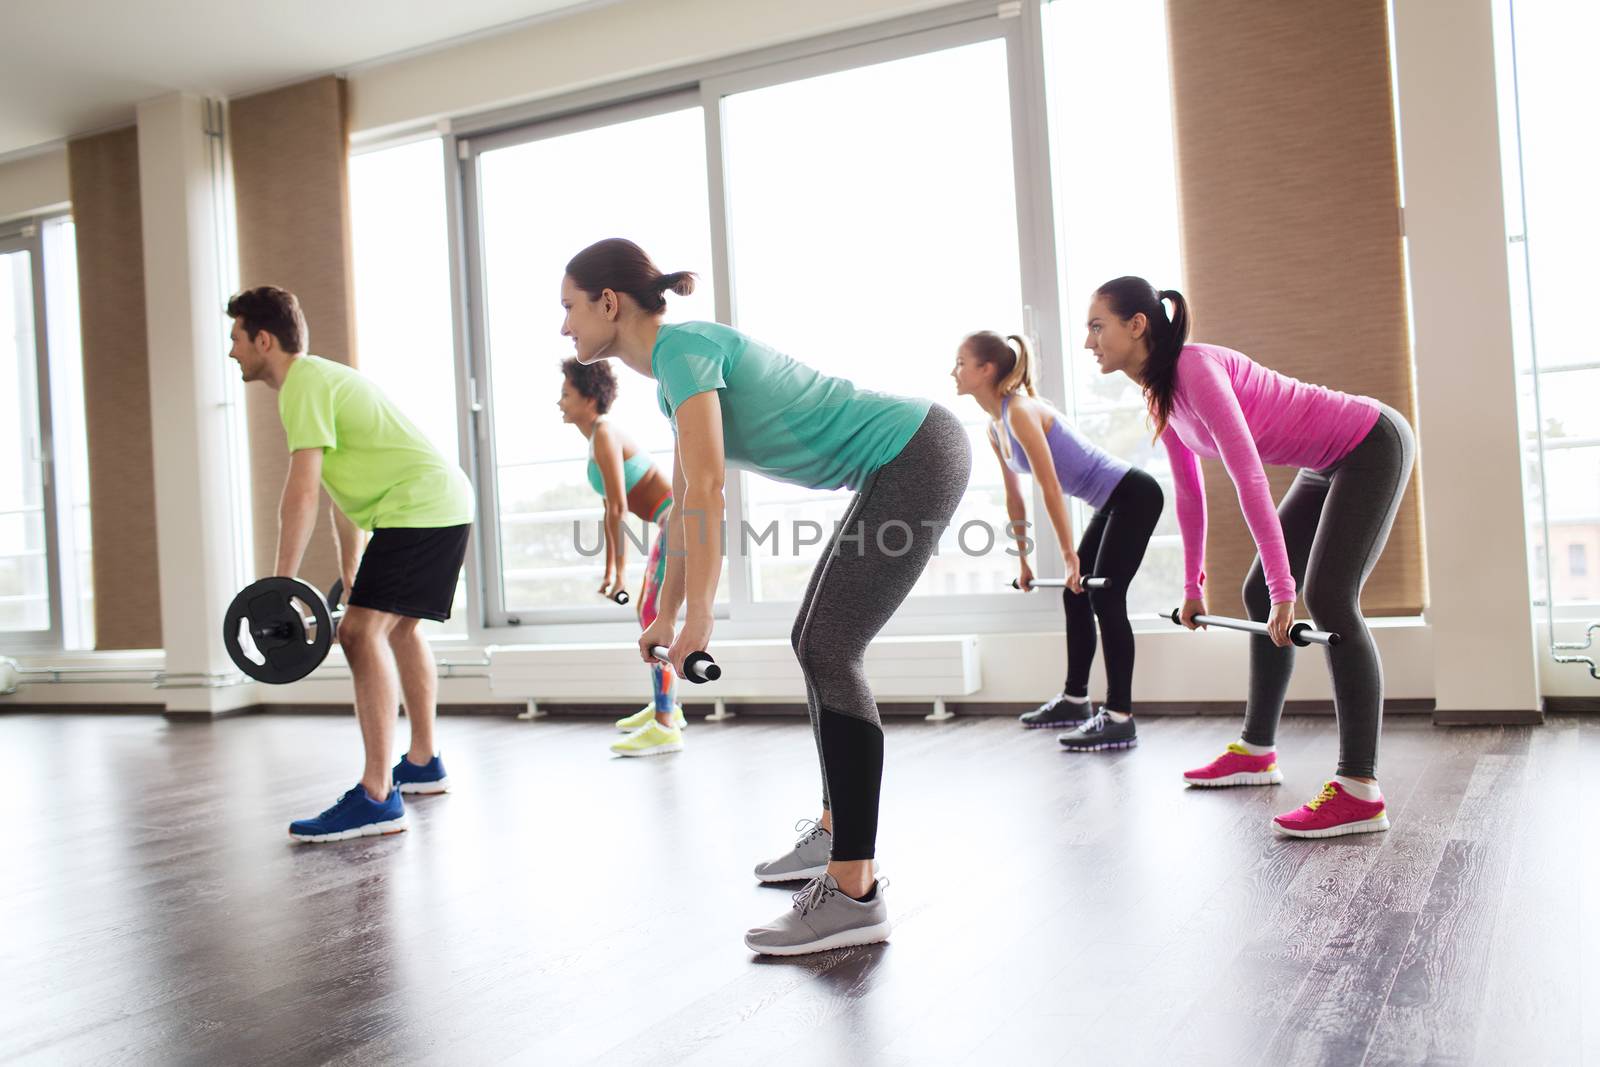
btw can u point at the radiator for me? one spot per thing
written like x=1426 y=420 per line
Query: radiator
x=899 y=669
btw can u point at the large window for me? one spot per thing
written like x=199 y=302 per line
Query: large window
x=1116 y=209
x=861 y=204
x=1553 y=230
x=542 y=195
x=46 y=591
x=404 y=333
x=872 y=224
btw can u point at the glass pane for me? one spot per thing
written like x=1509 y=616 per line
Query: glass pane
x=69 y=429
x=858 y=202
x=541 y=203
x=404 y=328
x=1553 y=71
x=24 y=577
x=1110 y=221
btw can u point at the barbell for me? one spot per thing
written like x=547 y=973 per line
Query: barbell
x=1061 y=583
x=278 y=630
x=1301 y=633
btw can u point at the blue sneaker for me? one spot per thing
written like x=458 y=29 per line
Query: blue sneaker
x=355 y=815
x=428 y=778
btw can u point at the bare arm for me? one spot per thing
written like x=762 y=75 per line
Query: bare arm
x=1028 y=424
x=608 y=457
x=702 y=467
x=348 y=541
x=297 y=509
x=1016 y=503
x=669 y=598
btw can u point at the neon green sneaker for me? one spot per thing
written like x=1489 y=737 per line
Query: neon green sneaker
x=651 y=739
x=648 y=714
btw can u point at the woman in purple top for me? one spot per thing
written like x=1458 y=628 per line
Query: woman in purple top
x=1029 y=436
x=1354 y=456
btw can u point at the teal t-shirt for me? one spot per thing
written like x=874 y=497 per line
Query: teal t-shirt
x=781 y=418
x=379 y=469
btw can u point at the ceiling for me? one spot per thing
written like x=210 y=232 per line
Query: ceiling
x=74 y=66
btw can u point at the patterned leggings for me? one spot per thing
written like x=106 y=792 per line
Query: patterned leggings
x=663 y=682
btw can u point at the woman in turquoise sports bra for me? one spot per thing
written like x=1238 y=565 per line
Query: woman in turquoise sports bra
x=623 y=473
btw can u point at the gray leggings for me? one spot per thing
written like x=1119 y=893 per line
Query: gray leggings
x=889 y=532
x=1335 y=523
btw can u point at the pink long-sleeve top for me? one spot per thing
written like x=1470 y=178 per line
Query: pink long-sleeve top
x=1226 y=405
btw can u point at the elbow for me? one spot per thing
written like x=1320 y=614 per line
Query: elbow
x=705 y=491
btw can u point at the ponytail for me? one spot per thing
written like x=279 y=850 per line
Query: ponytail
x=1011 y=355
x=623 y=267
x=679 y=281
x=1129 y=296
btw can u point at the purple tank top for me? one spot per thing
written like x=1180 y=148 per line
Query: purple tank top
x=1084 y=471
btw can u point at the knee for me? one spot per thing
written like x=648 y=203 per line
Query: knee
x=404 y=632
x=1108 y=606
x=811 y=663
x=1257 y=599
x=1326 y=601
x=359 y=633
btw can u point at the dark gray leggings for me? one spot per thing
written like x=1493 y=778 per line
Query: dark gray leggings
x=882 y=545
x=1335 y=523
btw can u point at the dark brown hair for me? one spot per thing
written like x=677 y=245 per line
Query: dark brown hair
x=622 y=266
x=1010 y=354
x=1129 y=296
x=277 y=311
x=593 y=381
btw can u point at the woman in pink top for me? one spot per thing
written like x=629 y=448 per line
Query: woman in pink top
x=1354 y=455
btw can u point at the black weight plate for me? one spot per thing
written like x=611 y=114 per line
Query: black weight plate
x=290 y=643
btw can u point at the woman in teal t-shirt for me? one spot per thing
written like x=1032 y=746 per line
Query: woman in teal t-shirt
x=623 y=473
x=735 y=401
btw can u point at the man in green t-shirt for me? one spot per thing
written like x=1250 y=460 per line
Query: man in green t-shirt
x=386 y=478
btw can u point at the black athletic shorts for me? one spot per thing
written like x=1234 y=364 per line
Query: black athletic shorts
x=411 y=572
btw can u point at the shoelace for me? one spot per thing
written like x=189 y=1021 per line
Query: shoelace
x=1327 y=794
x=341 y=802
x=807 y=829
x=812 y=896
x=1095 y=723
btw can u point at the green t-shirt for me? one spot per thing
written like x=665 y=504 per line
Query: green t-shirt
x=780 y=417
x=379 y=469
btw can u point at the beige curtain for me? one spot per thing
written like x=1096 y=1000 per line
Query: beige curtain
x=292 y=198
x=104 y=176
x=1289 y=187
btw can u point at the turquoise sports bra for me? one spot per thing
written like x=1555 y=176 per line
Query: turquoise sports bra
x=633 y=468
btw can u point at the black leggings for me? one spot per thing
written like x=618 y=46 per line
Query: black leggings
x=1113 y=546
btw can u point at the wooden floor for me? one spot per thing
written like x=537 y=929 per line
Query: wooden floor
x=564 y=907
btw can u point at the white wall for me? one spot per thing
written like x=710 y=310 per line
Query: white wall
x=606 y=43
x=33 y=183
x=183 y=286
x=1474 y=528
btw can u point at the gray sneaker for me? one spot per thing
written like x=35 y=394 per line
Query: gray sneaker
x=1100 y=732
x=807 y=859
x=823 y=918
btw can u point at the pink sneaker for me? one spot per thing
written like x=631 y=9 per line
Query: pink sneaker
x=1334 y=812
x=1237 y=766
